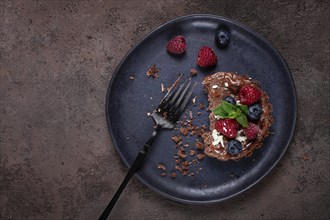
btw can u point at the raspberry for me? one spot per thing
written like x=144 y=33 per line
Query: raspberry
x=227 y=127
x=177 y=45
x=249 y=95
x=251 y=131
x=206 y=57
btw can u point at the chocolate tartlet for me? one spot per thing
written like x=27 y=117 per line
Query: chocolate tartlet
x=224 y=84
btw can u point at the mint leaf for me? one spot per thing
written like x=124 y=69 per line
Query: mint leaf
x=233 y=115
x=220 y=112
x=228 y=107
x=242 y=120
x=244 y=108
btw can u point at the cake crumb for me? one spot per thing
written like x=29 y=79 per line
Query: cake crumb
x=163 y=174
x=201 y=156
x=153 y=72
x=181 y=153
x=132 y=77
x=193 y=72
x=201 y=106
x=192 y=152
x=178 y=144
x=184 y=131
x=173 y=175
x=199 y=145
x=185 y=165
x=161 y=166
x=176 y=138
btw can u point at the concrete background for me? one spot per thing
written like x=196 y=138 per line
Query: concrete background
x=56 y=157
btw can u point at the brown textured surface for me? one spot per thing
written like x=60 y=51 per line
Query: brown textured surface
x=56 y=157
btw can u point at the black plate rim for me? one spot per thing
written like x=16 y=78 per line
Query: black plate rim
x=143 y=39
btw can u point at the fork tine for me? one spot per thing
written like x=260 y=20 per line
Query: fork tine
x=171 y=90
x=174 y=106
x=175 y=101
x=183 y=105
x=177 y=93
x=167 y=103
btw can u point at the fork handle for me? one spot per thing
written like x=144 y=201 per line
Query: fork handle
x=135 y=166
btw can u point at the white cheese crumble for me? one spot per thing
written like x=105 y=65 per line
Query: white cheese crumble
x=226 y=84
x=217 y=117
x=240 y=137
x=217 y=138
x=215 y=86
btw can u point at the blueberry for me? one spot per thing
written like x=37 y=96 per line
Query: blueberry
x=229 y=99
x=234 y=147
x=255 y=112
x=222 y=38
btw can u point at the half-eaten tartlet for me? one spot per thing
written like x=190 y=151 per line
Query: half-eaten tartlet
x=240 y=116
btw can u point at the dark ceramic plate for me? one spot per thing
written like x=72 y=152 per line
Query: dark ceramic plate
x=128 y=102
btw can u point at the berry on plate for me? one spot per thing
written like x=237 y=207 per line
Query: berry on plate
x=251 y=131
x=234 y=147
x=222 y=38
x=249 y=95
x=255 y=111
x=206 y=57
x=227 y=127
x=177 y=45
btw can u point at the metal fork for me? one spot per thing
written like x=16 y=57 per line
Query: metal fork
x=165 y=116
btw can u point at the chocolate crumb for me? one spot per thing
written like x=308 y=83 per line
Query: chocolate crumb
x=163 y=174
x=176 y=138
x=202 y=130
x=193 y=72
x=178 y=144
x=201 y=106
x=193 y=131
x=186 y=145
x=199 y=145
x=153 y=72
x=185 y=165
x=173 y=175
x=178 y=161
x=161 y=166
x=184 y=131
x=199 y=113
x=181 y=153
x=178 y=168
x=192 y=152
x=191 y=174
x=201 y=156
